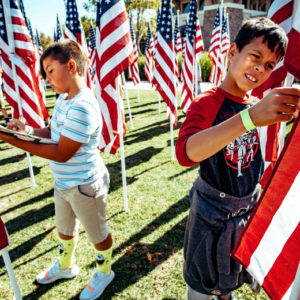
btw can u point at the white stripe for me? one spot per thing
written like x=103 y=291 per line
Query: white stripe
x=287 y=24
x=115 y=60
x=165 y=88
x=283 y=224
x=112 y=13
x=276 y=5
x=169 y=53
x=113 y=37
x=70 y=35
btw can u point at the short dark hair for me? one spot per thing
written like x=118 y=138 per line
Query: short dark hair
x=272 y=33
x=63 y=51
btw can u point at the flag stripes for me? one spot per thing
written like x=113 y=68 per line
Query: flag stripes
x=148 y=55
x=164 y=77
x=277 y=215
x=133 y=71
x=114 y=54
x=27 y=81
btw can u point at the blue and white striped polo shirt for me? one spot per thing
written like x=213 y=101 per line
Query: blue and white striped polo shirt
x=78 y=119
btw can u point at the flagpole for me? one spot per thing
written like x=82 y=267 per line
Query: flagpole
x=172 y=135
x=127 y=99
x=120 y=130
x=11 y=274
x=158 y=102
x=13 y=60
x=138 y=92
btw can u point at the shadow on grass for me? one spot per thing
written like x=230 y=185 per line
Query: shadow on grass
x=12 y=159
x=29 y=202
x=141 y=105
x=187 y=170
x=29 y=218
x=131 y=161
x=134 y=265
x=13 y=177
x=25 y=248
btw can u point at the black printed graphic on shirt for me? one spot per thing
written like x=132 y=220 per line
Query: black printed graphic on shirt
x=240 y=153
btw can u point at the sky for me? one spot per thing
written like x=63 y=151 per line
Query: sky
x=42 y=13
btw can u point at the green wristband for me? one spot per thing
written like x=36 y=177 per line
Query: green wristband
x=246 y=119
x=31 y=132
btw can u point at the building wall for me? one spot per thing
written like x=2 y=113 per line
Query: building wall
x=238 y=11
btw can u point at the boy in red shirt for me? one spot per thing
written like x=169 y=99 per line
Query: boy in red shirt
x=220 y=134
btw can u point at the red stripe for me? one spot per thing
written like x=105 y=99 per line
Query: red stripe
x=18 y=20
x=283 y=272
x=114 y=24
x=283 y=13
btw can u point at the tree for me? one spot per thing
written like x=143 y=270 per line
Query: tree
x=46 y=41
x=135 y=9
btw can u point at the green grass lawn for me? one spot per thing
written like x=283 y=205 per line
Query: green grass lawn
x=148 y=255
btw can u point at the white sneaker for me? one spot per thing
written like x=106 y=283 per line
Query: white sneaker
x=97 y=285
x=55 y=273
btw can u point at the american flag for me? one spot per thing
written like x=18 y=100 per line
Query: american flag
x=57 y=31
x=269 y=247
x=133 y=71
x=215 y=49
x=164 y=77
x=199 y=46
x=114 y=55
x=176 y=40
x=190 y=58
x=92 y=53
x=31 y=100
x=156 y=33
x=149 y=52
x=75 y=32
x=38 y=43
x=225 y=42
x=177 y=37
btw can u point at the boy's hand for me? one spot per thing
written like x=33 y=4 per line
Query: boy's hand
x=281 y=104
x=15 y=124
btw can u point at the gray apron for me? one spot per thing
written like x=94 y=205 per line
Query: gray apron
x=214 y=225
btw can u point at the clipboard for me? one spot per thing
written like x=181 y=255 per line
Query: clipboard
x=27 y=137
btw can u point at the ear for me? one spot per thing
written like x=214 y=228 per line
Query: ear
x=233 y=50
x=72 y=66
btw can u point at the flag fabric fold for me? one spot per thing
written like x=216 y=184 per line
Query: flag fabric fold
x=92 y=53
x=27 y=83
x=164 y=75
x=75 y=32
x=133 y=71
x=148 y=55
x=269 y=247
x=114 y=54
x=193 y=47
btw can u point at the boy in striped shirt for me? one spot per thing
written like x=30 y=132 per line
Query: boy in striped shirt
x=81 y=178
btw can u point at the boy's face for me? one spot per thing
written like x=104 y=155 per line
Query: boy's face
x=250 y=67
x=58 y=74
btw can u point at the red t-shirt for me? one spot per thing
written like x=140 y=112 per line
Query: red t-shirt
x=237 y=168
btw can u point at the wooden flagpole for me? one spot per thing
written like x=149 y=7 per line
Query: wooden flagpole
x=120 y=130
x=127 y=99
x=14 y=60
